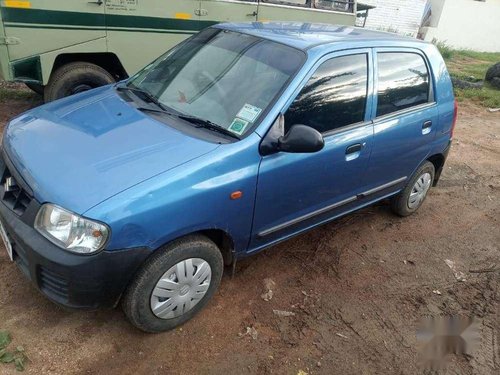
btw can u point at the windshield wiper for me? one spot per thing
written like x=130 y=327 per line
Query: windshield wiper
x=206 y=124
x=145 y=93
x=199 y=122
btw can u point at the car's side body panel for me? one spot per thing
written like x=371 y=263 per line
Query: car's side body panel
x=188 y=199
x=400 y=140
x=294 y=189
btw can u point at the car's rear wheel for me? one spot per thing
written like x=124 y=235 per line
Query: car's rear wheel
x=74 y=78
x=174 y=284
x=415 y=192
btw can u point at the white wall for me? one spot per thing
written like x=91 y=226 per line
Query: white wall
x=467 y=24
x=401 y=16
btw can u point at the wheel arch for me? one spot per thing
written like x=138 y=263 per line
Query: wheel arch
x=438 y=161
x=222 y=239
x=106 y=60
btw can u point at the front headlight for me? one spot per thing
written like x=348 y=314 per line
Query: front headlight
x=70 y=231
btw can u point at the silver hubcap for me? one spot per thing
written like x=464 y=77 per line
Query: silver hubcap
x=181 y=288
x=419 y=190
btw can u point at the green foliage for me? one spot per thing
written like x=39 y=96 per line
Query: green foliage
x=16 y=94
x=5 y=339
x=446 y=51
x=17 y=356
x=6 y=357
x=487 y=96
x=472 y=66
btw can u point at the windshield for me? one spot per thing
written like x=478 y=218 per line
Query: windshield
x=226 y=78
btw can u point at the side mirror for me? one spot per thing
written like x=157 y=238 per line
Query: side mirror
x=301 y=139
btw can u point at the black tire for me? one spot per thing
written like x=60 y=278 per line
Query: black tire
x=74 y=78
x=36 y=87
x=492 y=72
x=400 y=203
x=136 y=302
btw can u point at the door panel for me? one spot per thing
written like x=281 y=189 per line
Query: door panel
x=296 y=191
x=56 y=26
x=4 y=53
x=400 y=146
x=295 y=186
x=404 y=133
x=149 y=27
x=228 y=10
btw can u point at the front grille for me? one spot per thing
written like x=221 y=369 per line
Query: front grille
x=13 y=194
x=20 y=257
x=53 y=284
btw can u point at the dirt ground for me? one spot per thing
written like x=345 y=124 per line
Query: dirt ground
x=357 y=288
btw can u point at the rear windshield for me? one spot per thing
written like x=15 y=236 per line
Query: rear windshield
x=225 y=77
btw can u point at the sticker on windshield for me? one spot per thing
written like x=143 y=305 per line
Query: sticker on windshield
x=249 y=112
x=238 y=126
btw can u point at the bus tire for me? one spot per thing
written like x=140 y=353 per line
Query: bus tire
x=74 y=78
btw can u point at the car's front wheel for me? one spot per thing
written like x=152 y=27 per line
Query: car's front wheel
x=414 y=194
x=174 y=284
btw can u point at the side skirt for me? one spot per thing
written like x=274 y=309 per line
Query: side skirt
x=277 y=241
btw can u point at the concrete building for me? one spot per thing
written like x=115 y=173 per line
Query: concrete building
x=400 y=16
x=463 y=24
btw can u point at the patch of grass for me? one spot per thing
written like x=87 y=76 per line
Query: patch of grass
x=16 y=94
x=446 y=51
x=487 y=96
x=471 y=66
x=17 y=357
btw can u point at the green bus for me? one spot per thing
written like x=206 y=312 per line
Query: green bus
x=59 y=48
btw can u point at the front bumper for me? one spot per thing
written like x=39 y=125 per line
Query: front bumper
x=71 y=280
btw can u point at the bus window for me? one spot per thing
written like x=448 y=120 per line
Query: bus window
x=297 y=3
x=336 y=5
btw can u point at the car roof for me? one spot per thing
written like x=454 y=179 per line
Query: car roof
x=307 y=35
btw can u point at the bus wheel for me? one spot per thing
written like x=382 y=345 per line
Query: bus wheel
x=36 y=87
x=74 y=78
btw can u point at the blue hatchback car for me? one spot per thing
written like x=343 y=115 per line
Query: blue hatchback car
x=241 y=137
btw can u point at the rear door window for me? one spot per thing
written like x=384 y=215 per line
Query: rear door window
x=403 y=82
x=334 y=97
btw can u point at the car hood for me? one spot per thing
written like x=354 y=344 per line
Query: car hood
x=79 y=151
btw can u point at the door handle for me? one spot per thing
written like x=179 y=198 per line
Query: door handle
x=100 y=2
x=426 y=127
x=353 y=148
x=253 y=14
x=353 y=151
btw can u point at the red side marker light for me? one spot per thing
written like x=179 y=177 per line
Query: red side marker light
x=236 y=195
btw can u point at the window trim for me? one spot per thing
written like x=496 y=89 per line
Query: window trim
x=369 y=93
x=405 y=111
x=431 y=101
